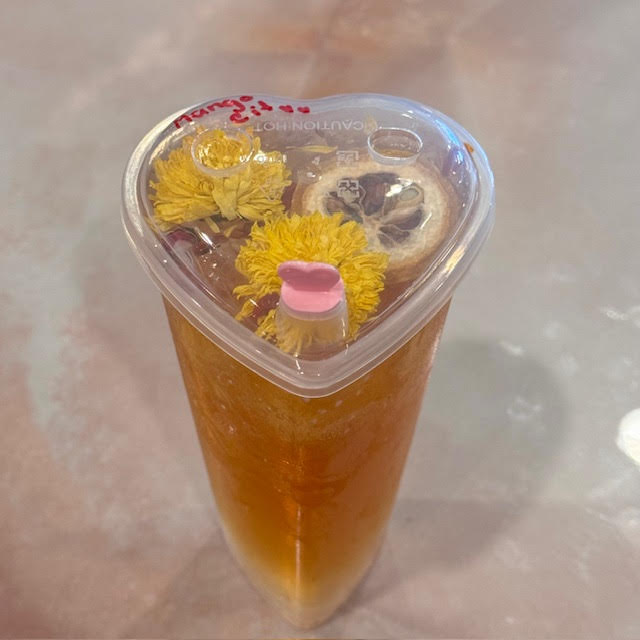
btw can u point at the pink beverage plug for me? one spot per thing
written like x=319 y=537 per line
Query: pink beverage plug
x=312 y=312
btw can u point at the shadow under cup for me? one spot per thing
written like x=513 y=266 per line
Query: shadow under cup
x=304 y=486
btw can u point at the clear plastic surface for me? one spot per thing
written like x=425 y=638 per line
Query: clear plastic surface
x=307 y=253
x=416 y=181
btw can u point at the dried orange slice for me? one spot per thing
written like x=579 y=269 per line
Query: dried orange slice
x=405 y=209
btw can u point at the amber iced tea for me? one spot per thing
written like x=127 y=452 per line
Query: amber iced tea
x=304 y=486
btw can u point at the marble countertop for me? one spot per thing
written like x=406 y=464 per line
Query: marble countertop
x=518 y=515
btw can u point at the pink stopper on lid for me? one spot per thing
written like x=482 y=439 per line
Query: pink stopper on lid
x=310 y=287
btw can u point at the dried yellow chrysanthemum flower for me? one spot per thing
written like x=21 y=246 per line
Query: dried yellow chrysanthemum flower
x=311 y=238
x=184 y=193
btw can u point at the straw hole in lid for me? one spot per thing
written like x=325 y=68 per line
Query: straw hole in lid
x=395 y=146
x=205 y=142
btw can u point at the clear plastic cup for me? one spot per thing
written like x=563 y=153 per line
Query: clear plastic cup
x=305 y=413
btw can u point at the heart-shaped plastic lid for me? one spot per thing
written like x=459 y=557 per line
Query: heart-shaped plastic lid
x=242 y=207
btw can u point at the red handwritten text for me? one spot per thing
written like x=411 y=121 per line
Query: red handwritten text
x=240 y=110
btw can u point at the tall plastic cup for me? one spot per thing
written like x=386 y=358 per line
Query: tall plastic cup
x=307 y=253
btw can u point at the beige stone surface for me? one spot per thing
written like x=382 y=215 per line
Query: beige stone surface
x=518 y=516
